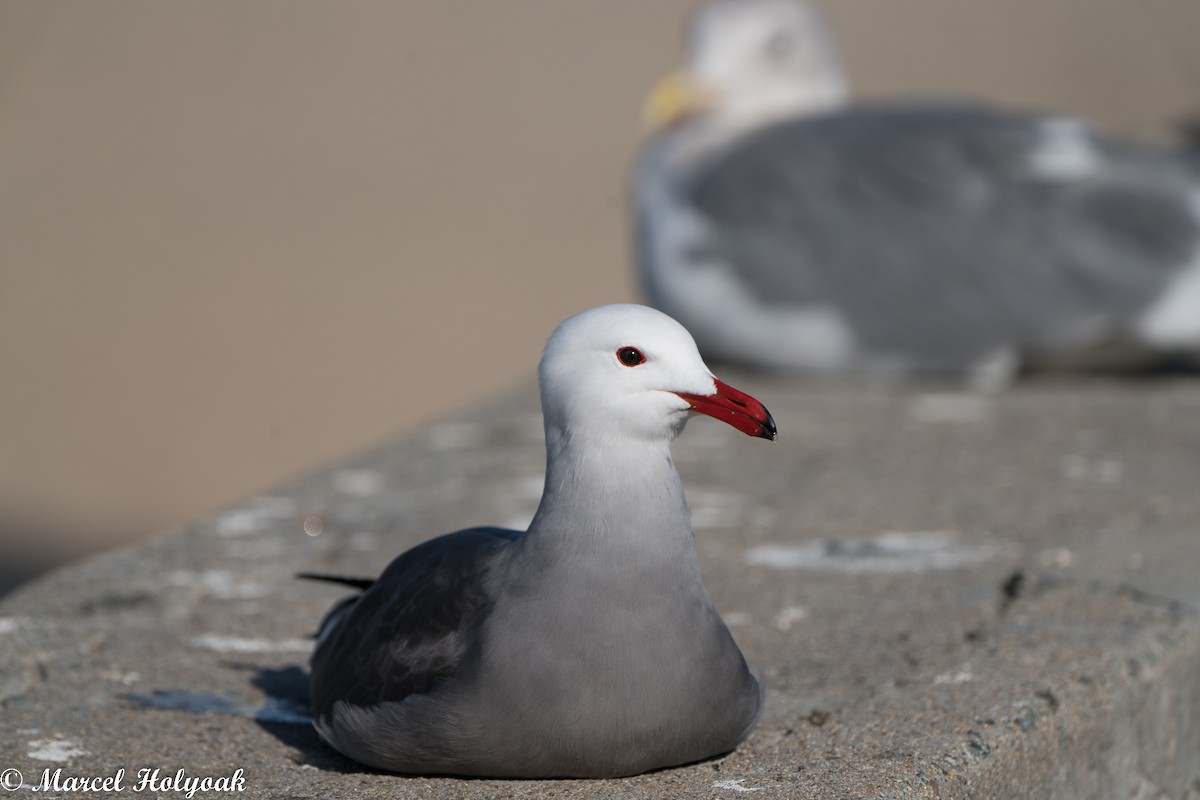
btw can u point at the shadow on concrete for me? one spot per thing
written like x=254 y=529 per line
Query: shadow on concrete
x=287 y=716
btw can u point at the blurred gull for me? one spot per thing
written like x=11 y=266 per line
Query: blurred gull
x=586 y=646
x=788 y=229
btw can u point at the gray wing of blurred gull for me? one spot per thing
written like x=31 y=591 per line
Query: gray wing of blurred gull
x=787 y=229
x=584 y=647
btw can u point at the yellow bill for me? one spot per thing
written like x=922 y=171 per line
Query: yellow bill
x=675 y=98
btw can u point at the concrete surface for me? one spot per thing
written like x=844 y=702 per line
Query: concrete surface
x=949 y=596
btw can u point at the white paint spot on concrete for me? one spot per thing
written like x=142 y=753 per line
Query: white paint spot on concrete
x=962 y=675
x=256 y=516
x=735 y=785
x=1104 y=470
x=716 y=509
x=358 y=482
x=237 y=644
x=952 y=408
x=735 y=618
x=54 y=750
x=1060 y=557
x=891 y=552
x=219 y=583
x=789 y=616
x=254 y=549
x=1065 y=152
x=123 y=678
x=444 y=436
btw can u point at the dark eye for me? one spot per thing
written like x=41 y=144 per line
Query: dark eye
x=630 y=356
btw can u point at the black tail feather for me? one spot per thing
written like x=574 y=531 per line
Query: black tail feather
x=357 y=583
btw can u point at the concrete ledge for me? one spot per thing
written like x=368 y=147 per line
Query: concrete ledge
x=948 y=595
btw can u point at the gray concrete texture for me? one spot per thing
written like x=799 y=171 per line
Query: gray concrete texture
x=949 y=595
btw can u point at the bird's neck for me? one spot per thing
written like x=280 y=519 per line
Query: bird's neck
x=616 y=495
x=770 y=104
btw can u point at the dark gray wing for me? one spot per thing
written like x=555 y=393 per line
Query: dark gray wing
x=932 y=231
x=416 y=624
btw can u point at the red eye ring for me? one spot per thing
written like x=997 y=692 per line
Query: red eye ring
x=630 y=356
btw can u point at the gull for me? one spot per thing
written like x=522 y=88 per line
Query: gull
x=788 y=228
x=586 y=646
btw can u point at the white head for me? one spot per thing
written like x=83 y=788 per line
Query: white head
x=628 y=371
x=751 y=62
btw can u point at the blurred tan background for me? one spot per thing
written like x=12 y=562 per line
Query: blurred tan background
x=238 y=239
